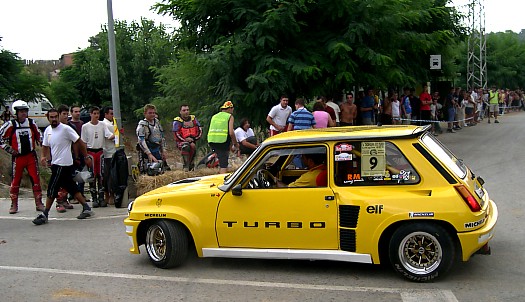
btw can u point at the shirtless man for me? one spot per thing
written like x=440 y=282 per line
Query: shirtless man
x=348 y=111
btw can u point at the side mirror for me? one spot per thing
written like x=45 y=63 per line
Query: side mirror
x=237 y=190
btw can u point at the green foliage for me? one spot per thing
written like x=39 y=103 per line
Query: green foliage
x=17 y=82
x=505 y=60
x=505 y=56
x=251 y=52
x=10 y=68
x=29 y=86
x=140 y=48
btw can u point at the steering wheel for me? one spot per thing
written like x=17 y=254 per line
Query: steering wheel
x=265 y=179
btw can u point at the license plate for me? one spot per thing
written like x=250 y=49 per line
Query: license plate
x=479 y=191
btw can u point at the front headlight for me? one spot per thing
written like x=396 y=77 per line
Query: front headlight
x=130 y=206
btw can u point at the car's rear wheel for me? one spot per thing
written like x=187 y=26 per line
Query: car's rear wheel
x=422 y=251
x=167 y=243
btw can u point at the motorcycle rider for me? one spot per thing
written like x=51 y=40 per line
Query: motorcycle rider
x=19 y=138
x=187 y=131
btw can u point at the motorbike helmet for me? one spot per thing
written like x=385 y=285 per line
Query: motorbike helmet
x=155 y=168
x=18 y=105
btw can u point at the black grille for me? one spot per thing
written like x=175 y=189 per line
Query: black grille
x=347 y=240
x=348 y=216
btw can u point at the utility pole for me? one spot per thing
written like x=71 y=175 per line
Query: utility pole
x=477 y=46
x=115 y=94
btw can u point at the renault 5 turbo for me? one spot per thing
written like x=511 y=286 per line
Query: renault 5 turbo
x=368 y=194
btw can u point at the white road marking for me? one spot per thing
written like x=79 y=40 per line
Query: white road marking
x=95 y=217
x=407 y=295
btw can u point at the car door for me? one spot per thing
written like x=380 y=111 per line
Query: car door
x=295 y=218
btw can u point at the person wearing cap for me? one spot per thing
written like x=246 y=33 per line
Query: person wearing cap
x=221 y=135
x=19 y=138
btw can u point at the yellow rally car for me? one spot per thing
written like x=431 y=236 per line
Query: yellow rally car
x=355 y=194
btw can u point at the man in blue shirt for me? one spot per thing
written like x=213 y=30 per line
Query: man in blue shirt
x=367 y=108
x=301 y=118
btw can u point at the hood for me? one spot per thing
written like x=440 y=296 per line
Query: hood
x=194 y=184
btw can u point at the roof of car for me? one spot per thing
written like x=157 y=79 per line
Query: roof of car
x=350 y=132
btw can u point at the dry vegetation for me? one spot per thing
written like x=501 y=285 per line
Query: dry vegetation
x=147 y=183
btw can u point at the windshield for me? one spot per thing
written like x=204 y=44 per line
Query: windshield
x=228 y=178
x=453 y=163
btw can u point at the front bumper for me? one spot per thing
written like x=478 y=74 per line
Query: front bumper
x=471 y=242
x=131 y=231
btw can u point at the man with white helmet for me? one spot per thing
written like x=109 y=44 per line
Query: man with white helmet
x=19 y=138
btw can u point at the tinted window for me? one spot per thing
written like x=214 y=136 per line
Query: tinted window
x=445 y=156
x=372 y=163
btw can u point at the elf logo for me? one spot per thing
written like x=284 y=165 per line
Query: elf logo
x=377 y=209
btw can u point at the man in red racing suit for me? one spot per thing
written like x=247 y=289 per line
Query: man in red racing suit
x=187 y=130
x=19 y=138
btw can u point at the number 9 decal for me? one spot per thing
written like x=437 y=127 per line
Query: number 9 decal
x=373 y=162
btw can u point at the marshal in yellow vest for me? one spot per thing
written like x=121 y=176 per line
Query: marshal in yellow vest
x=218 y=132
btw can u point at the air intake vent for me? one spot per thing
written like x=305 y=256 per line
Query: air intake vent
x=348 y=216
x=347 y=240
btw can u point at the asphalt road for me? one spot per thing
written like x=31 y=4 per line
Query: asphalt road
x=72 y=260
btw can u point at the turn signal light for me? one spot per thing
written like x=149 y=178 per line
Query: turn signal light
x=472 y=203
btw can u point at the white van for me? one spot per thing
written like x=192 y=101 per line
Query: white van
x=37 y=110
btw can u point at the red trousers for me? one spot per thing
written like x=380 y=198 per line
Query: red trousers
x=30 y=163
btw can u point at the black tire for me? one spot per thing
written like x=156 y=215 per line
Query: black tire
x=167 y=244
x=422 y=251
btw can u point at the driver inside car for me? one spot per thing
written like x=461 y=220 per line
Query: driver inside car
x=316 y=176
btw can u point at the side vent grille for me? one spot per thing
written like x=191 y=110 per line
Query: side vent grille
x=347 y=240
x=348 y=216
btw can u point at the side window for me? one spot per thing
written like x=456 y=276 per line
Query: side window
x=290 y=167
x=370 y=163
x=46 y=106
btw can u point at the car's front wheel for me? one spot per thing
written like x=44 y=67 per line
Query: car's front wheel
x=167 y=243
x=422 y=251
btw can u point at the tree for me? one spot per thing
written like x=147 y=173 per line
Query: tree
x=16 y=82
x=140 y=47
x=10 y=68
x=258 y=50
x=505 y=56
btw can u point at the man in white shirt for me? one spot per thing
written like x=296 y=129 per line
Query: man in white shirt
x=56 y=150
x=109 y=151
x=278 y=116
x=246 y=138
x=93 y=134
x=336 y=108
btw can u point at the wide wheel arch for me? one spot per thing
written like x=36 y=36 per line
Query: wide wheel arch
x=422 y=250
x=144 y=226
x=384 y=240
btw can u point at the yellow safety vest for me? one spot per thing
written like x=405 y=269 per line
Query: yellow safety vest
x=218 y=132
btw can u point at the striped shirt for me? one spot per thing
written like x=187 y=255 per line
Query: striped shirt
x=301 y=119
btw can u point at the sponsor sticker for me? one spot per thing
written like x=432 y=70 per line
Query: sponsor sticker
x=470 y=225
x=420 y=214
x=343 y=147
x=343 y=157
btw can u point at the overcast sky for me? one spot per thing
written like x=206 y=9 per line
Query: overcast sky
x=46 y=29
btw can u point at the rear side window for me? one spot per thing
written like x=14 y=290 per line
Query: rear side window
x=453 y=163
x=370 y=163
